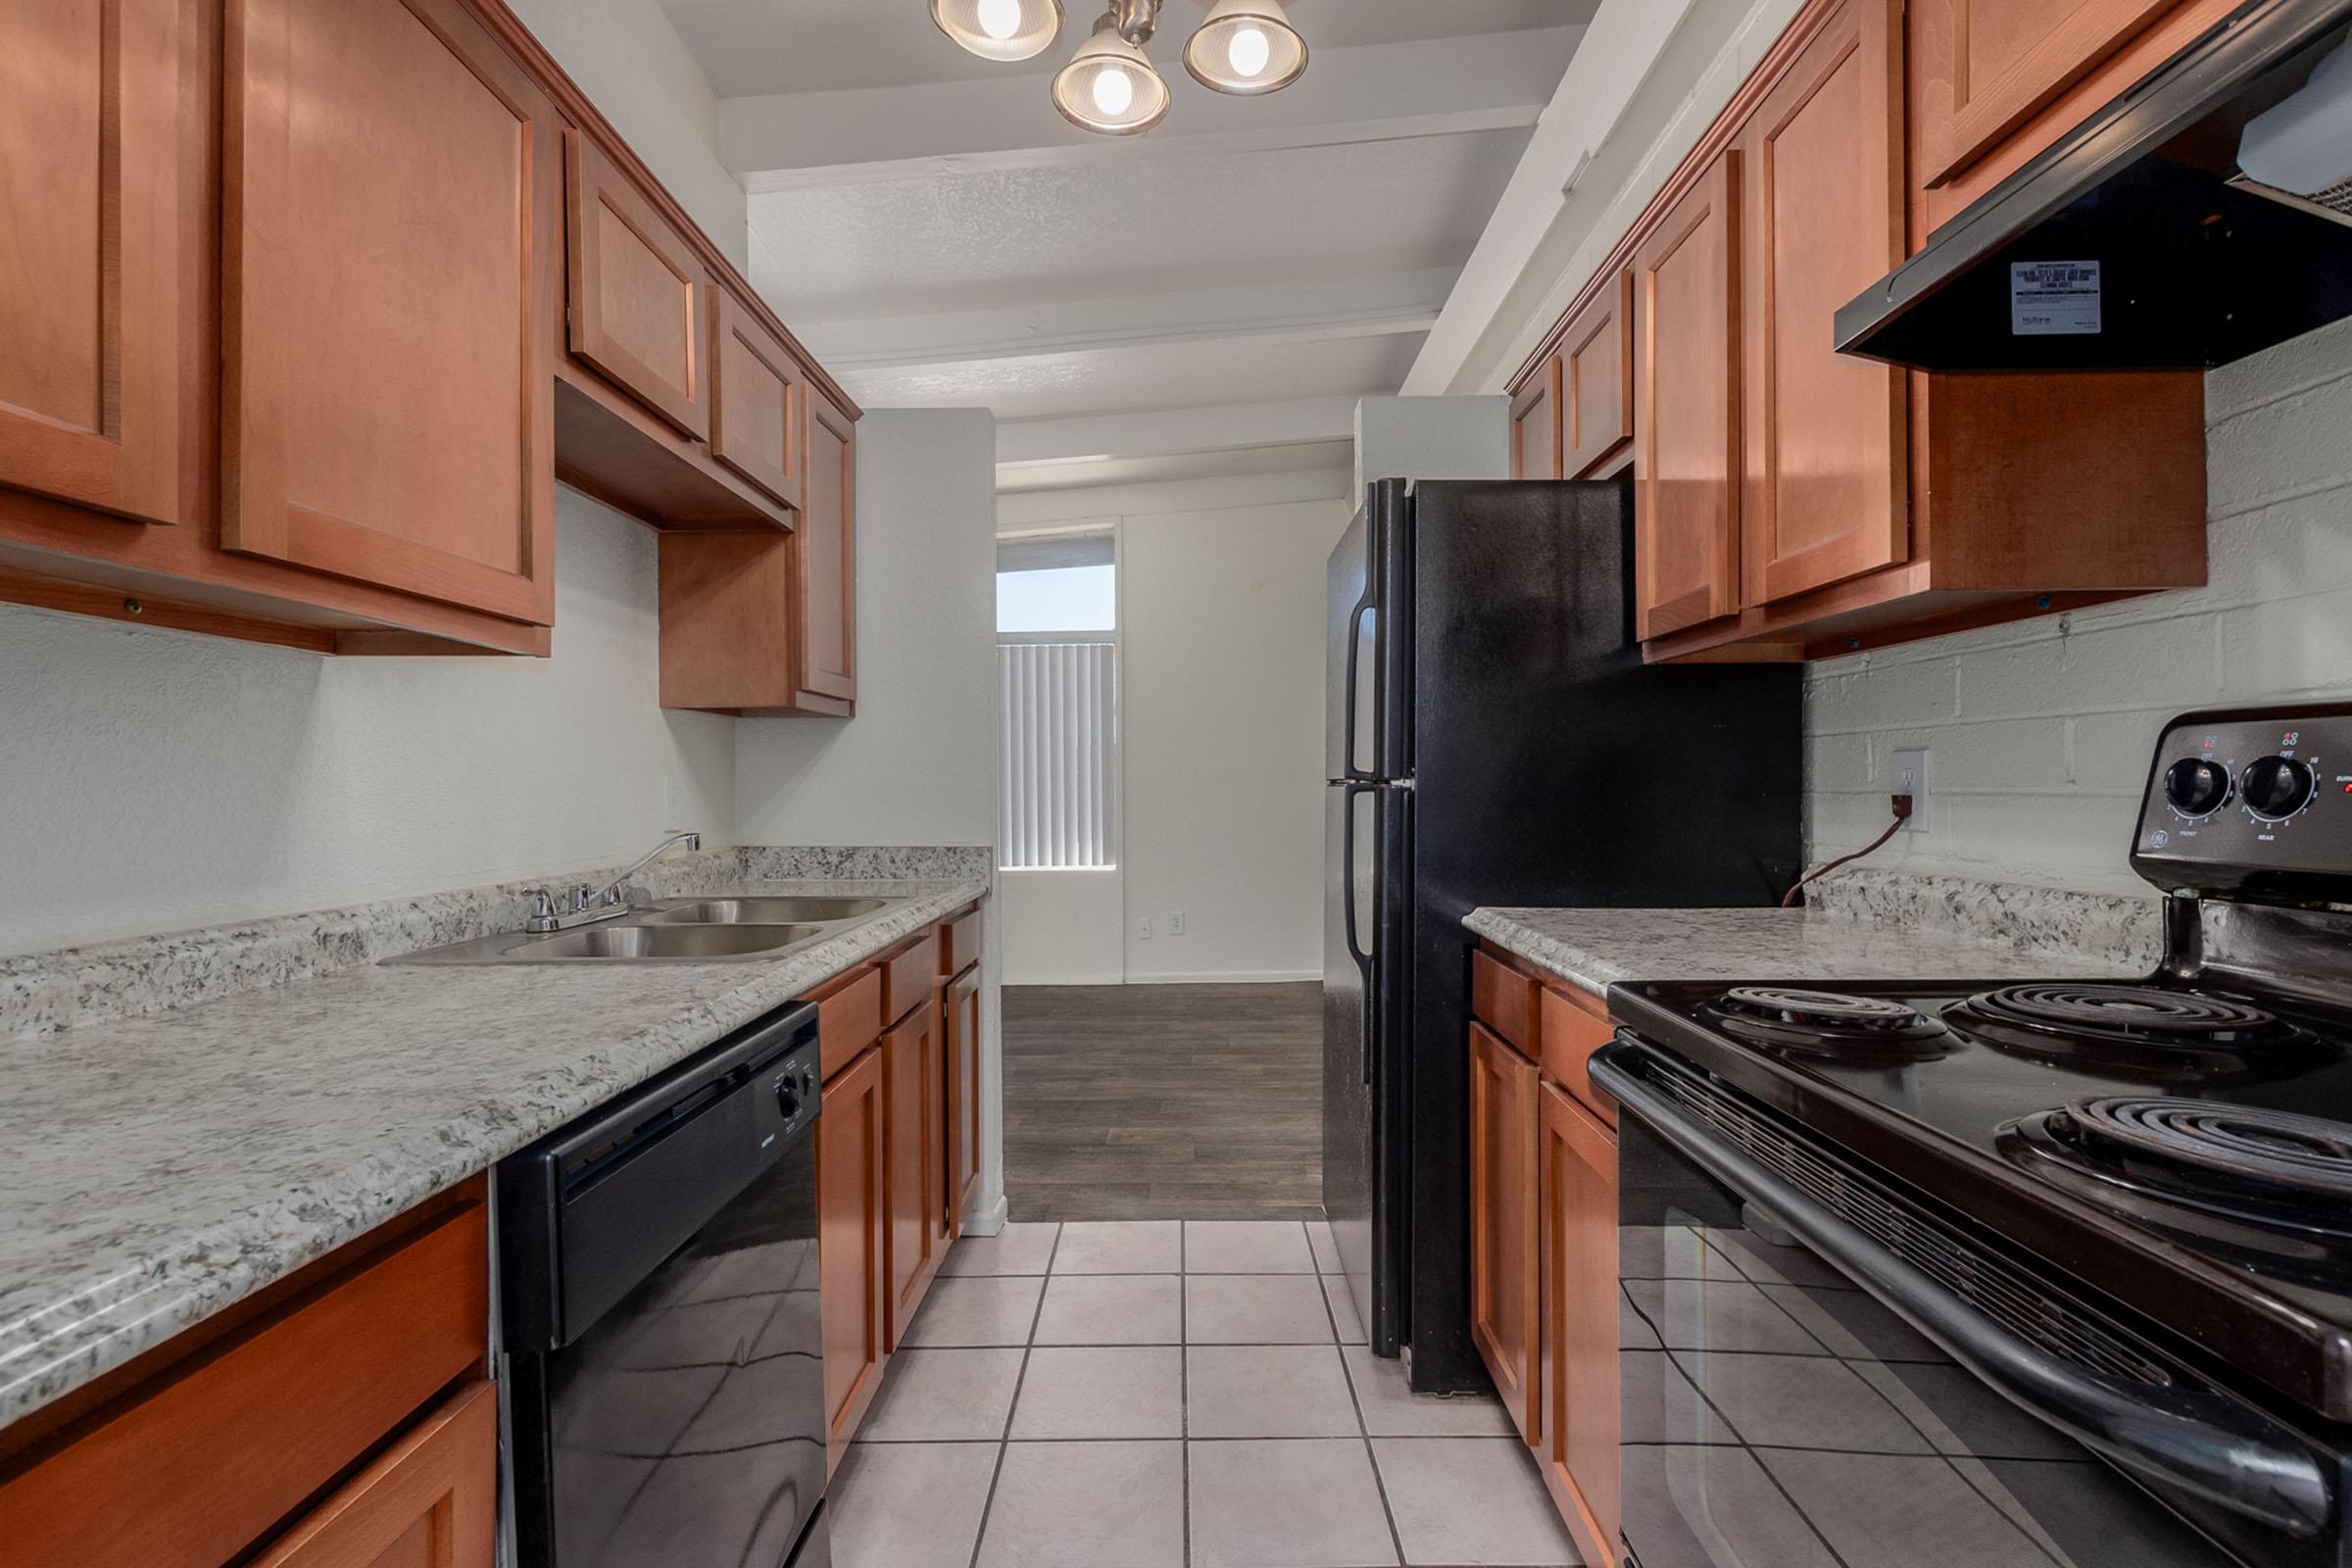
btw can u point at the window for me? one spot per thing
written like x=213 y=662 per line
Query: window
x=1057 y=653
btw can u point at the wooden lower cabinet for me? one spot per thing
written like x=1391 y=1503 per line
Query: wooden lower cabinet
x=915 y=1100
x=1503 y=1278
x=852 y=1219
x=431 y=1501
x=960 y=1013
x=1576 y=1164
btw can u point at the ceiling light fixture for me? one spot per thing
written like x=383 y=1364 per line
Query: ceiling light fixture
x=1001 y=29
x=1246 y=48
x=1109 y=86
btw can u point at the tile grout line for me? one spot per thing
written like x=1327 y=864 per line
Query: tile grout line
x=1005 y=1439
x=1184 y=1389
x=1363 y=1427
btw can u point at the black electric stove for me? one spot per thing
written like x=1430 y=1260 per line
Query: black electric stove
x=2126 y=1207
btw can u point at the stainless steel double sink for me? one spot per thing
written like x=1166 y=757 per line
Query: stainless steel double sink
x=715 y=930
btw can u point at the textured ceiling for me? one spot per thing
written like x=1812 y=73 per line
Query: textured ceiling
x=990 y=238
x=750 y=47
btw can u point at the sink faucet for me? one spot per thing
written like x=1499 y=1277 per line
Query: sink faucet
x=587 y=905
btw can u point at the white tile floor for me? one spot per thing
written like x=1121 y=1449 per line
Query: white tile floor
x=1157 y=1395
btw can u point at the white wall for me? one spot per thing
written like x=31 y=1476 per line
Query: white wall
x=1221 y=682
x=631 y=60
x=1063 y=927
x=1432 y=438
x=918 y=766
x=2041 y=733
x=157 y=780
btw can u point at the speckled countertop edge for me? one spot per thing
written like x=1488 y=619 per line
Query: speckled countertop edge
x=1596 y=949
x=262 y=1137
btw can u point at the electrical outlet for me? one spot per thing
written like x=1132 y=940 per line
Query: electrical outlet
x=1176 y=924
x=1907 y=774
x=1143 y=929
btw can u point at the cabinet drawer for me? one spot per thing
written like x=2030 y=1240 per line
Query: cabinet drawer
x=1506 y=1002
x=431 y=1502
x=959 y=944
x=191 y=1468
x=848 y=1016
x=1571 y=1032
x=909 y=975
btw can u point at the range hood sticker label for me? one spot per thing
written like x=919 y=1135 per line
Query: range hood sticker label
x=2052 y=299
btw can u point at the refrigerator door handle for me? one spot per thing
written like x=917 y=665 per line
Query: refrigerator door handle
x=1355 y=645
x=1355 y=948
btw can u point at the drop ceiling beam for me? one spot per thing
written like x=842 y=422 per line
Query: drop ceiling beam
x=1368 y=93
x=1168 y=432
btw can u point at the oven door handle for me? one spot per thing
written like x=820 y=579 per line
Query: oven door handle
x=2226 y=1454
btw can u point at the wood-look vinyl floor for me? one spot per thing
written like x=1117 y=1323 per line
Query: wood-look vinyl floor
x=1164 y=1102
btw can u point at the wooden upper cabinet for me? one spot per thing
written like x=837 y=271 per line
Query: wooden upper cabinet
x=852 y=1299
x=1596 y=398
x=1536 y=435
x=99 y=175
x=1578 y=1454
x=1503 y=1282
x=757 y=397
x=428 y=1501
x=1687 y=408
x=389 y=250
x=639 y=297
x=1990 y=65
x=827 y=558
x=1825 y=441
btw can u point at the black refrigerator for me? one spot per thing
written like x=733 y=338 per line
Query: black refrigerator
x=1494 y=738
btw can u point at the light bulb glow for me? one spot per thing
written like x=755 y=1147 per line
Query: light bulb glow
x=1114 y=91
x=1000 y=19
x=1248 y=51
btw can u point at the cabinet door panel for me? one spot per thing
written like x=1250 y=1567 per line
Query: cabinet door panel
x=1596 y=395
x=431 y=1501
x=1826 y=438
x=962 y=1013
x=1993 y=62
x=1686 y=410
x=1503 y=1280
x=388 y=288
x=913 y=1087
x=639 y=298
x=96 y=195
x=755 y=396
x=1536 y=426
x=828 y=557
x=1578 y=1164
x=852 y=1149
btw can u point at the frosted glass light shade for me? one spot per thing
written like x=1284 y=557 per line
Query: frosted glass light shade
x=1247 y=47
x=1001 y=29
x=1109 y=86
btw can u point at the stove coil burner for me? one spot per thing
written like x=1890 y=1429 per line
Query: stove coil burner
x=2271 y=1168
x=1829 y=1023
x=2129 y=1013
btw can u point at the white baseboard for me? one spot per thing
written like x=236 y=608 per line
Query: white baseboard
x=988 y=1221
x=1232 y=977
x=1066 y=980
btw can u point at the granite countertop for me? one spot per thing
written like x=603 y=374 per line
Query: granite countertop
x=1599 y=948
x=154 y=1170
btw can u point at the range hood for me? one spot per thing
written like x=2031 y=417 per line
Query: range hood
x=2201 y=216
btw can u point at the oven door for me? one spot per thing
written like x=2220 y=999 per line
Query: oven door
x=1815 y=1371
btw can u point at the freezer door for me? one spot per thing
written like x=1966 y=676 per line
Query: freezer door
x=1366 y=733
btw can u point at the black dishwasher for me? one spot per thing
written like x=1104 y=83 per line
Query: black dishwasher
x=658 y=1292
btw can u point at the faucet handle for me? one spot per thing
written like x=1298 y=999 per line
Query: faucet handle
x=543 y=910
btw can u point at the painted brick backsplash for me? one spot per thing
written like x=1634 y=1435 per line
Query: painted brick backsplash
x=2042 y=731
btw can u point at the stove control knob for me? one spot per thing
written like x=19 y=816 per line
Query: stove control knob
x=2278 y=787
x=2197 y=787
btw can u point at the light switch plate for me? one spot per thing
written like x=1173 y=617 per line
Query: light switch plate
x=1907 y=774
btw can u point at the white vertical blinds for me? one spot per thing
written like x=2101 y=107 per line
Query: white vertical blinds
x=1058 y=713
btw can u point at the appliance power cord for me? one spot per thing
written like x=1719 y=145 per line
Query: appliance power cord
x=1903 y=814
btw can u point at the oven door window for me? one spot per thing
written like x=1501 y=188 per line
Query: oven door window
x=1778 y=1416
